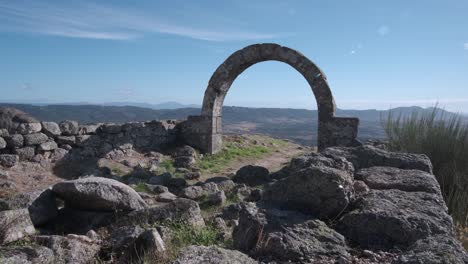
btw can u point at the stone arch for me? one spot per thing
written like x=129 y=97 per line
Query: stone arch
x=205 y=130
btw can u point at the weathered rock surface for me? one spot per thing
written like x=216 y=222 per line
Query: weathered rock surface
x=179 y=210
x=35 y=139
x=69 y=128
x=88 y=129
x=310 y=240
x=19 y=201
x=148 y=243
x=122 y=238
x=66 y=140
x=197 y=192
x=29 y=128
x=58 y=154
x=33 y=254
x=101 y=194
x=25 y=153
x=323 y=191
x=381 y=178
x=369 y=156
x=166 y=197
x=15 y=224
x=51 y=129
x=70 y=249
x=184 y=161
x=383 y=219
x=285 y=235
x=14 y=141
x=212 y=255
x=8 y=160
x=157 y=189
x=4 y=132
x=216 y=199
x=252 y=175
x=48 y=146
x=184 y=157
x=439 y=249
x=248 y=194
x=231 y=212
x=317 y=159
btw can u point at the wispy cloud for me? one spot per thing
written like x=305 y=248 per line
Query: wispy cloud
x=465 y=45
x=86 y=20
x=383 y=30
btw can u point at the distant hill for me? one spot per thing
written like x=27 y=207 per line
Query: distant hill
x=165 y=105
x=299 y=125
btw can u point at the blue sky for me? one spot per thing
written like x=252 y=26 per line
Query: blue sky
x=376 y=54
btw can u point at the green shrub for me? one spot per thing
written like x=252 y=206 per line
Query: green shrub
x=444 y=139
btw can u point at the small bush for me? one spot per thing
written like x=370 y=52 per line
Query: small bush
x=444 y=139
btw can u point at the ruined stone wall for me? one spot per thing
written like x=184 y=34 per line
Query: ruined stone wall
x=52 y=141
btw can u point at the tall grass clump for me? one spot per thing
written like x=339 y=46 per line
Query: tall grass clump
x=444 y=139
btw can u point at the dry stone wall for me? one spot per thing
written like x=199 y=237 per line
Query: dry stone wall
x=52 y=141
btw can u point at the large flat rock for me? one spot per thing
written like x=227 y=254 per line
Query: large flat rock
x=369 y=156
x=71 y=248
x=273 y=234
x=212 y=255
x=381 y=178
x=322 y=191
x=384 y=219
x=100 y=194
x=435 y=250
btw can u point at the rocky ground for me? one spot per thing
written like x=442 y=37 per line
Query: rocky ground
x=260 y=200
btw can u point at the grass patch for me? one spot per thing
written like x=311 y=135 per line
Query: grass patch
x=141 y=187
x=183 y=235
x=231 y=152
x=168 y=166
x=444 y=139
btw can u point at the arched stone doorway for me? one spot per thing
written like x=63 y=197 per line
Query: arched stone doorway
x=205 y=131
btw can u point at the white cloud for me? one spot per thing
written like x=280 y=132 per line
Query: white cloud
x=352 y=52
x=465 y=45
x=383 y=30
x=101 y=22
